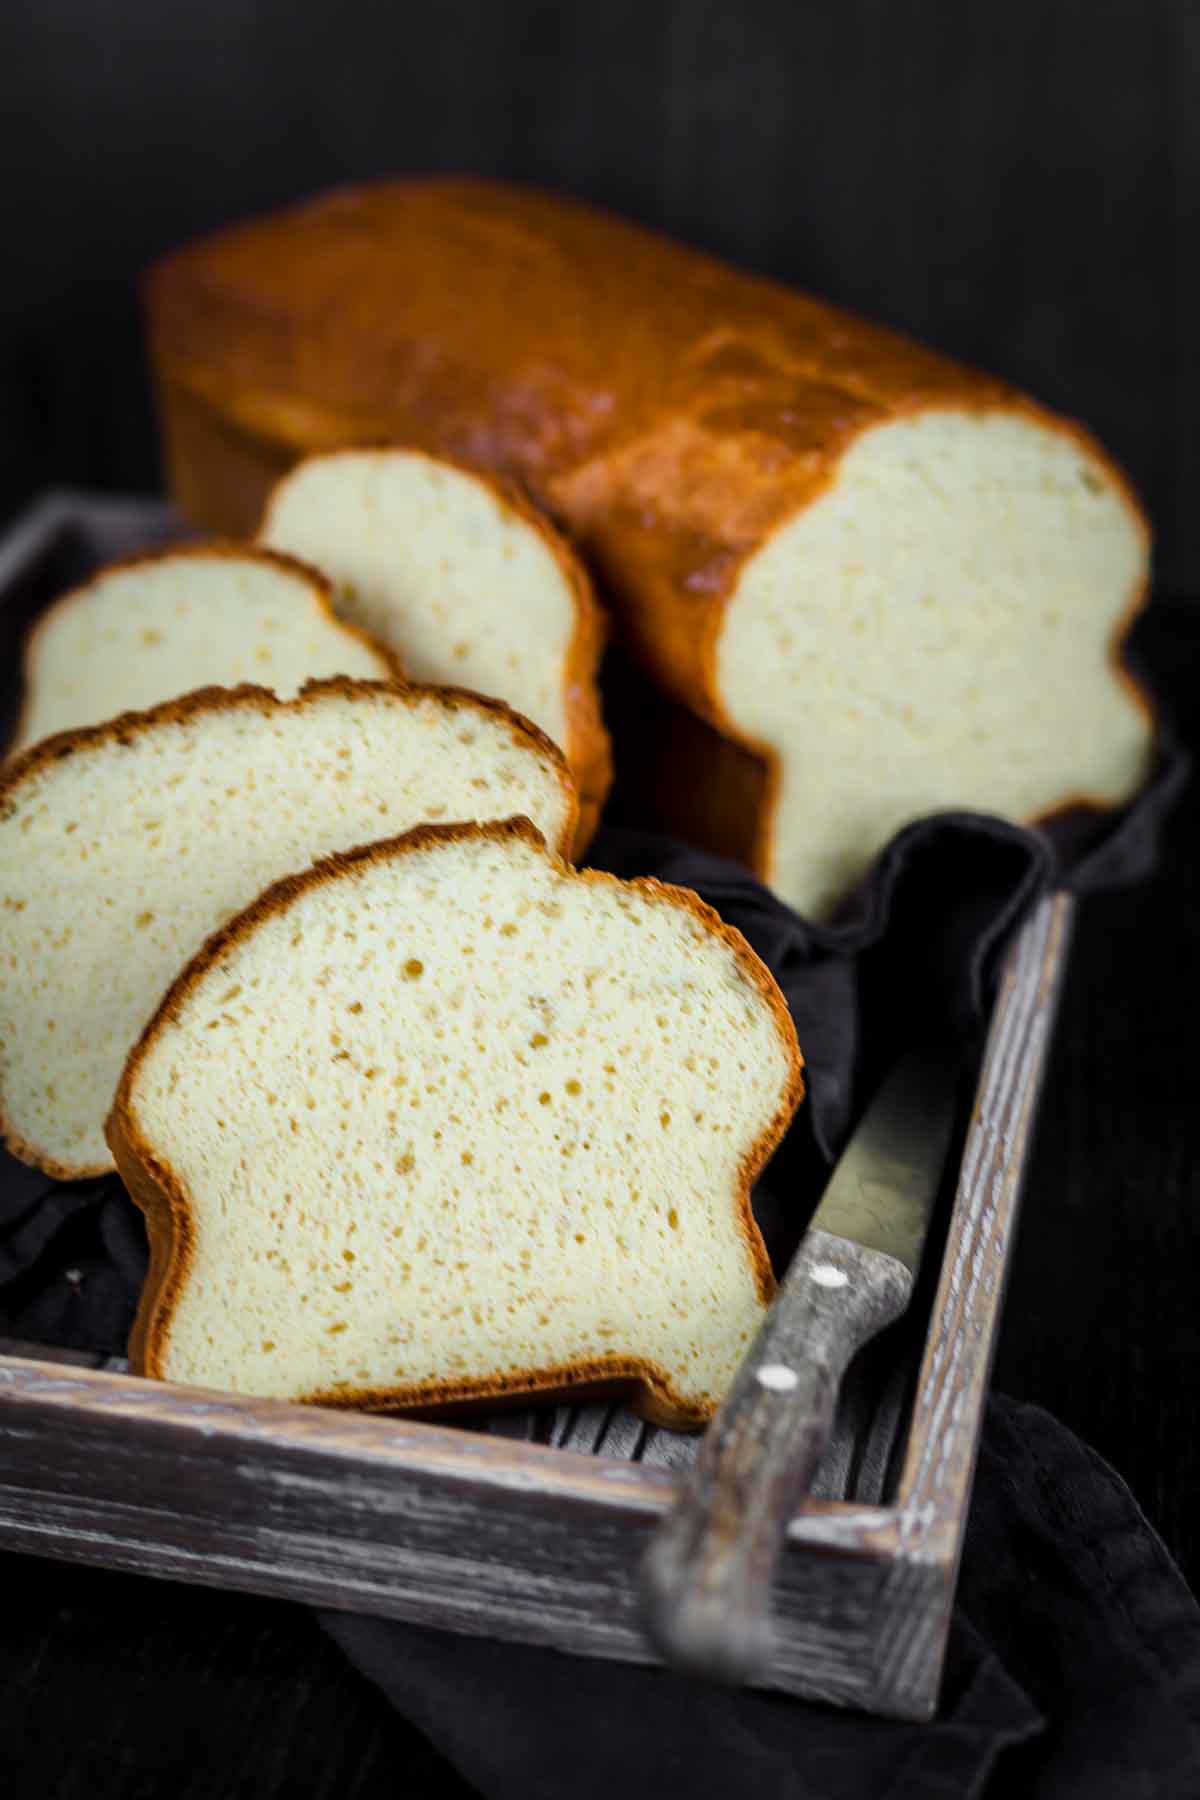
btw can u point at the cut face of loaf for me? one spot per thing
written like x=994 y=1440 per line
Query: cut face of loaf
x=445 y=1120
x=164 y=624
x=123 y=846
x=464 y=581
x=933 y=631
x=894 y=582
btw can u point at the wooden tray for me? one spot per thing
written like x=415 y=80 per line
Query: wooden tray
x=531 y=1526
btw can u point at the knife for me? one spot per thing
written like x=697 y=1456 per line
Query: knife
x=706 y=1581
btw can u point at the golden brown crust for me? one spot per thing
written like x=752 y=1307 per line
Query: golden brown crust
x=127 y=727
x=130 y=725
x=168 y=1232
x=218 y=476
x=319 y=586
x=162 y=1197
x=588 y=750
x=645 y=1385
x=36 y=1158
x=669 y=411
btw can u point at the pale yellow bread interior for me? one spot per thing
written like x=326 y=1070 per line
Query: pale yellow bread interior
x=450 y=1119
x=434 y=560
x=146 y=630
x=123 y=847
x=937 y=630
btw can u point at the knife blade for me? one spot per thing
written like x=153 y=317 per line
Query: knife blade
x=706 y=1580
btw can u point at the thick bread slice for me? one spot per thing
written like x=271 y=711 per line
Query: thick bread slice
x=881 y=582
x=464 y=580
x=166 y=623
x=443 y=1120
x=122 y=846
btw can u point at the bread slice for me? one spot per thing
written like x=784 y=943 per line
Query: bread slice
x=443 y=1120
x=864 y=582
x=465 y=580
x=166 y=623
x=122 y=846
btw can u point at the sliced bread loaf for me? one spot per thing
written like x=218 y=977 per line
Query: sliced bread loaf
x=443 y=1120
x=872 y=582
x=163 y=624
x=122 y=846
x=465 y=580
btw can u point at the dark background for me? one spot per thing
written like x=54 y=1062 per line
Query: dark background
x=1013 y=181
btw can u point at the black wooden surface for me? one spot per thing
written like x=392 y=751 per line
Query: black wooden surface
x=119 y=1686
x=1014 y=182
x=1101 y=1323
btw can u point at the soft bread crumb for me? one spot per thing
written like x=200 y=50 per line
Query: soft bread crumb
x=122 y=848
x=935 y=631
x=438 y=563
x=160 y=625
x=438 y=1123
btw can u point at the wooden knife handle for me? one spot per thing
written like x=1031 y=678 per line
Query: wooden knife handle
x=706 y=1581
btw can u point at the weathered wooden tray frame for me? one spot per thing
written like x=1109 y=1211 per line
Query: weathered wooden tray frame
x=485 y=1533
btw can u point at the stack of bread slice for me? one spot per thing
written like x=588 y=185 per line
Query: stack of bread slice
x=415 y=1111
x=123 y=846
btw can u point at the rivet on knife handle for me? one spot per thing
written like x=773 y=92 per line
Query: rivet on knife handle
x=706 y=1581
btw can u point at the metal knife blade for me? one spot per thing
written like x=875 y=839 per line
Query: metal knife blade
x=706 y=1580
x=882 y=1192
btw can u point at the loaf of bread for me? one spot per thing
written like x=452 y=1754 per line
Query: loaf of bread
x=164 y=624
x=443 y=1120
x=465 y=581
x=871 y=582
x=122 y=846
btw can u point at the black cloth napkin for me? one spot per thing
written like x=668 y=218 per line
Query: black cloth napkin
x=1075 y=1653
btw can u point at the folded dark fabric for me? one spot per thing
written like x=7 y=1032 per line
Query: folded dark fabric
x=1076 y=1645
